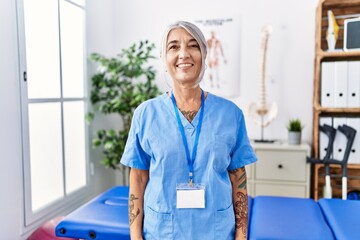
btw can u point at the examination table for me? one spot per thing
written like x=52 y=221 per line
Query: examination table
x=270 y=217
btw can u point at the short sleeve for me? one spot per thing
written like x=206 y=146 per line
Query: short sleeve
x=243 y=153
x=134 y=155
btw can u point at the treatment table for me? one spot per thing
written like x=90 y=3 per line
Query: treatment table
x=270 y=217
x=104 y=217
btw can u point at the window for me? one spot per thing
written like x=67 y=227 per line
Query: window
x=53 y=66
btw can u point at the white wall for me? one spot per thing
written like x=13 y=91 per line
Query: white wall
x=290 y=51
x=10 y=137
x=100 y=29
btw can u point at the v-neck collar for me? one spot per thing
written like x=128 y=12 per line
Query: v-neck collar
x=186 y=124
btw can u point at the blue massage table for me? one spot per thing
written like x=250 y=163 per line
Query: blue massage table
x=270 y=217
x=287 y=218
x=343 y=217
x=104 y=217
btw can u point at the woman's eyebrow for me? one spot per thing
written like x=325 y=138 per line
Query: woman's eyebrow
x=193 y=40
x=176 y=41
x=172 y=42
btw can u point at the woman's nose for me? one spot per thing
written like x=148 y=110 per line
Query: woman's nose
x=184 y=53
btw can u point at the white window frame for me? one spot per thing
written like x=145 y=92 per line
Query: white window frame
x=70 y=201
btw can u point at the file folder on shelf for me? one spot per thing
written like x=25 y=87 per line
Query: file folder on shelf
x=341 y=84
x=354 y=157
x=353 y=97
x=327 y=84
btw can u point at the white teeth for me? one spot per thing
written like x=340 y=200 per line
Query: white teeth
x=184 y=65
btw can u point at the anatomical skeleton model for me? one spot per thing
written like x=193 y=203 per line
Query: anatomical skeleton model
x=263 y=112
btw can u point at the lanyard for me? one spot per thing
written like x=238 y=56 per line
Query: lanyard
x=181 y=127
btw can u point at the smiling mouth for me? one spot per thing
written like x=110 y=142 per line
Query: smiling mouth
x=184 y=65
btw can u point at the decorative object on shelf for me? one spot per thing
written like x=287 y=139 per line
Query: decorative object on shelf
x=263 y=112
x=352 y=34
x=120 y=84
x=332 y=31
x=294 y=127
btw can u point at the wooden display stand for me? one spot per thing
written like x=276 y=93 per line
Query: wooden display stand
x=342 y=10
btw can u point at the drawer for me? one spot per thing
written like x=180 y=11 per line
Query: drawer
x=284 y=165
x=270 y=189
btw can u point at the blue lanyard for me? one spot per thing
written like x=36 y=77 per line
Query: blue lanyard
x=181 y=127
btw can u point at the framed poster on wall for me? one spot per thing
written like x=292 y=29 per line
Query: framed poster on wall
x=222 y=75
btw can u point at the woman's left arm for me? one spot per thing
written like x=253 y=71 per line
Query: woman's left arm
x=240 y=202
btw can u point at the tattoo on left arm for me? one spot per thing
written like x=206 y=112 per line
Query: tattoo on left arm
x=241 y=212
x=132 y=216
x=240 y=199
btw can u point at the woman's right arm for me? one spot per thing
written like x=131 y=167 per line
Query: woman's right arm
x=138 y=181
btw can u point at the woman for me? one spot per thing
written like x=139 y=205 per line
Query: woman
x=187 y=150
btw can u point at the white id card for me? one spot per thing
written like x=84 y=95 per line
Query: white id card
x=190 y=196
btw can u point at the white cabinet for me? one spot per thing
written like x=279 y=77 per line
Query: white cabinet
x=281 y=170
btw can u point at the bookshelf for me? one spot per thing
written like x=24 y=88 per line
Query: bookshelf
x=342 y=9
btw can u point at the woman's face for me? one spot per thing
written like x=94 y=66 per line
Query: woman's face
x=183 y=57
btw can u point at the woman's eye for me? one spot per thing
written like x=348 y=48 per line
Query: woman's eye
x=173 y=47
x=195 y=46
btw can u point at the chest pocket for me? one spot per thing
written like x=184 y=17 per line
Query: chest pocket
x=221 y=152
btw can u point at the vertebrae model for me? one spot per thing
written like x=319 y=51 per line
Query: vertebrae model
x=261 y=111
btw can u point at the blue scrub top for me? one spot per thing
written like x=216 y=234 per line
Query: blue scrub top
x=155 y=144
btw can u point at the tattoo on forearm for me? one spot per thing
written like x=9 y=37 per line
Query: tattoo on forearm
x=241 y=212
x=240 y=173
x=132 y=215
x=242 y=180
x=234 y=172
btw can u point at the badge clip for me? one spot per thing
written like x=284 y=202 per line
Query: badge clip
x=190 y=178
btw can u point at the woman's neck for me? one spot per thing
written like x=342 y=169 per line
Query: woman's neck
x=188 y=98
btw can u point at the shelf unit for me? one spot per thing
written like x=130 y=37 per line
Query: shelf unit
x=342 y=10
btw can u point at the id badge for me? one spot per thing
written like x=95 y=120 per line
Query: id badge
x=190 y=196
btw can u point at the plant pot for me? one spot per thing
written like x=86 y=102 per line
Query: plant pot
x=294 y=138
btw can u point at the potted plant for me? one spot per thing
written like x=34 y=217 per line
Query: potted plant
x=294 y=127
x=118 y=86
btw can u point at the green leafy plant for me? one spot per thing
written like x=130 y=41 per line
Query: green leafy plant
x=119 y=85
x=295 y=125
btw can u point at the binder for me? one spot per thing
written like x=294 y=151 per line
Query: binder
x=323 y=138
x=353 y=96
x=354 y=157
x=341 y=84
x=327 y=84
x=340 y=139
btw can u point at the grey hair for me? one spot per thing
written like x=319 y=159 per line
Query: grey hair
x=196 y=33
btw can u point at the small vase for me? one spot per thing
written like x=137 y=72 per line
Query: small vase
x=294 y=138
